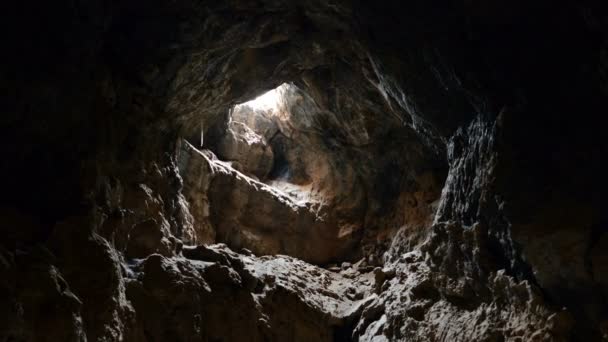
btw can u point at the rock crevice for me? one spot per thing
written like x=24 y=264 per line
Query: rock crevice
x=434 y=172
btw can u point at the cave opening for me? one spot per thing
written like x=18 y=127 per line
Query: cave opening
x=268 y=140
x=421 y=177
x=285 y=175
x=269 y=101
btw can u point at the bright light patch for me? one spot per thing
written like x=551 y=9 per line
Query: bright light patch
x=267 y=101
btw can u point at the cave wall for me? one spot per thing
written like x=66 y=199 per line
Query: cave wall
x=508 y=96
x=344 y=191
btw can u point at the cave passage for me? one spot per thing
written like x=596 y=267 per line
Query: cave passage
x=270 y=101
x=263 y=139
x=294 y=189
x=419 y=171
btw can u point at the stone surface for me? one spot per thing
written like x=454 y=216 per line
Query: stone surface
x=37 y=302
x=245 y=148
x=431 y=295
x=216 y=293
x=339 y=170
x=263 y=219
x=106 y=313
x=461 y=145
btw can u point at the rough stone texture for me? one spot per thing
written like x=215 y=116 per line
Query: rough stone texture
x=248 y=151
x=505 y=98
x=352 y=180
x=218 y=294
x=197 y=175
x=245 y=213
x=260 y=120
x=106 y=314
x=419 y=303
x=36 y=301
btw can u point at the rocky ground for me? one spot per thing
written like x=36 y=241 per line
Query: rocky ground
x=434 y=173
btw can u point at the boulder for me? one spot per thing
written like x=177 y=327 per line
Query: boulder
x=241 y=144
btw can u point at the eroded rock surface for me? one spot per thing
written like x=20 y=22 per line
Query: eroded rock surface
x=248 y=151
x=215 y=293
x=348 y=177
x=445 y=159
x=431 y=295
x=245 y=213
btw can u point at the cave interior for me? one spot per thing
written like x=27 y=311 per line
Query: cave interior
x=273 y=170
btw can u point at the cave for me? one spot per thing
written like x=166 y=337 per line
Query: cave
x=269 y=139
x=271 y=170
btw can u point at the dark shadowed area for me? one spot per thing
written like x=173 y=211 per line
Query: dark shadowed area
x=419 y=171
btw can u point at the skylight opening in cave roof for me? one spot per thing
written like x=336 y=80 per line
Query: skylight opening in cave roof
x=269 y=101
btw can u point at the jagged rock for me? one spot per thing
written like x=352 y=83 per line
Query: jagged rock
x=208 y=299
x=37 y=302
x=264 y=220
x=246 y=252
x=222 y=256
x=365 y=269
x=106 y=314
x=149 y=237
x=379 y=277
x=241 y=144
x=413 y=308
x=197 y=175
x=260 y=120
x=460 y=144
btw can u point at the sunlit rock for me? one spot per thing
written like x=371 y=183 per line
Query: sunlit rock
x=407 y=171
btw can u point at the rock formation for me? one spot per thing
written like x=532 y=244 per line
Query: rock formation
x=431 y=172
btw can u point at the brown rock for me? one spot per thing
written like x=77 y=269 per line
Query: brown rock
x=241 y=144
x=150 y=237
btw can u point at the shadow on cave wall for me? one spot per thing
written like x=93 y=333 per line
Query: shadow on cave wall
x=509 y=97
